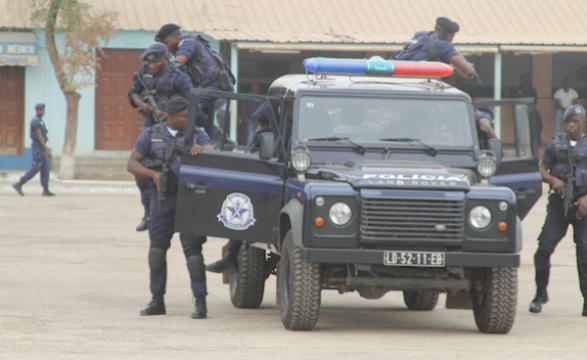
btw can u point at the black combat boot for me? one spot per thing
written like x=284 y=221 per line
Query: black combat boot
x=46 y=192
x=144 y=224
x=155 y=307
x=200 y=310
x=540 y=299
x=228 y=263
x=18 y=187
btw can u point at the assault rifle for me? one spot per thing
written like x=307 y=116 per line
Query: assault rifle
x=570 y=184
x=150 y=95
x=165 y=169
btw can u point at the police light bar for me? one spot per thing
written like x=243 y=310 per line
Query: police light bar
x=377 y=66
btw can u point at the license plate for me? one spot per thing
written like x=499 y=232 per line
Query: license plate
x=413 y=258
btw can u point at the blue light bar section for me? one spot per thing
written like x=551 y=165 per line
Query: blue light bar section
x=376 y=66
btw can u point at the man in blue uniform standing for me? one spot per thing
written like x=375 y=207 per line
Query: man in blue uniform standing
x=41 y=153
x=164 y=81
x=205 y=67
x=157 y=156
x=564 y=162
x=436 y=46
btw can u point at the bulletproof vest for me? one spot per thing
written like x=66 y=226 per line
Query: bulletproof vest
x=33 y=133
x=562 y=168
x=203 y=67
x=162 y=84
x=156 y=157
x=418 y=48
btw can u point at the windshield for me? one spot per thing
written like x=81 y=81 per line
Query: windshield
x=385 y=120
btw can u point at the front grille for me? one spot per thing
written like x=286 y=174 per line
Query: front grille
x=413 y=219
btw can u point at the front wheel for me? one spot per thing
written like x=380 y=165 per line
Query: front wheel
x=421 y=300
x=247 y=285
x=495 y=305
x=299 y=288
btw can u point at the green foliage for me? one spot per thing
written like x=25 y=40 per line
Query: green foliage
x=83 y=30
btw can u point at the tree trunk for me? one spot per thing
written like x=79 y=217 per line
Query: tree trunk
x=67 y=167
x=71 y=97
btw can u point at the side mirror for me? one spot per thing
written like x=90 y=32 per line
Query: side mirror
x=266 y=146
x=495 y=145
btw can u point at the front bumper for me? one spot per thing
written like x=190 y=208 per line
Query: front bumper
x=368 y=256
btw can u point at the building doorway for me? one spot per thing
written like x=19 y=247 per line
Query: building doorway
x=117 y=125
x=11 y=110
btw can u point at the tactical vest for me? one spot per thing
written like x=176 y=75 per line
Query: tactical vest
x=156 y=157
x=162 y=84
x=203 y=67
x=562 y=167
x=420 y=47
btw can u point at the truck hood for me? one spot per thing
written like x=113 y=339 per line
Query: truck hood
x=394 y=174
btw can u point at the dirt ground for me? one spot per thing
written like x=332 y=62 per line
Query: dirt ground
x=73 y=276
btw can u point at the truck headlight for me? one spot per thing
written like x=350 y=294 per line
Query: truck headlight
x=300 y=160
x=480 y=217
x=487 y=166
x=340 y=213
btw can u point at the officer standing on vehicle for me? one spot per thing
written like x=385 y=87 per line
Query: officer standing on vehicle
x=484 y=118
x=564 y=166
x=229 y=262
x=436 y=46
x=41 y=153
x=157 y=147
x=164 y=81
x=205 y=67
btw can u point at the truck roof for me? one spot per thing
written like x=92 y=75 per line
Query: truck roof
x=289 y=86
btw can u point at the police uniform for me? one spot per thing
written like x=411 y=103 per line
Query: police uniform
x=169 y=83
x=429 y=45
x=40 y=157
x=153 y=144
x=204 y=66
x=481 y=114
x=556 y=154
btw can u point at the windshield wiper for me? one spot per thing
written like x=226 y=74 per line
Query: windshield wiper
x=433 y=150
x=336 y=138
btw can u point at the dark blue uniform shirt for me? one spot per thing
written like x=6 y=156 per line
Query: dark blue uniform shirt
x=445 y=50
x=143 y=145
x=37 y=123
x=187 y=47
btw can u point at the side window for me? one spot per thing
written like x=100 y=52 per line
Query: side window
x=516 y=132
x=242 y=123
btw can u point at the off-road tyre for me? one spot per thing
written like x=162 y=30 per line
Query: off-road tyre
x=247 y=285
x=495 y=307
x=421 y=300
x=298 y=288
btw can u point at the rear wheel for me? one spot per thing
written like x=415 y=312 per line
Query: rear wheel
x=421 y=300
x=299 y=288
x=247 y=285
x=495 y=305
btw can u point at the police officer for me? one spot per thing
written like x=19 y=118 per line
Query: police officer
x=205 y=67
x=41 y=153
x=436 y=46
x=564 y=156
x=152 y=149
x=166 y=82
x=484 y=118
x=229 y=262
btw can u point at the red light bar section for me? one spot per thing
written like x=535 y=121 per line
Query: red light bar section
x=421 y=69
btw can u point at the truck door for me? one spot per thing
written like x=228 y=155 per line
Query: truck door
x=230 y=192
x=519 y=165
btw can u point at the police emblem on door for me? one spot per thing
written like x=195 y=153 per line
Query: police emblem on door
x=237 y=212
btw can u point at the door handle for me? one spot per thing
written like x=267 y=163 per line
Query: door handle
x=524 y=194
x=198 y=189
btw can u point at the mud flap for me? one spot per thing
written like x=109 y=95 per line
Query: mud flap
x=458 y=300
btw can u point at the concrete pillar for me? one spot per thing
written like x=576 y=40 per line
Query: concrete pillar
x=234 y=104
x=542 y=82
x=497 y=93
